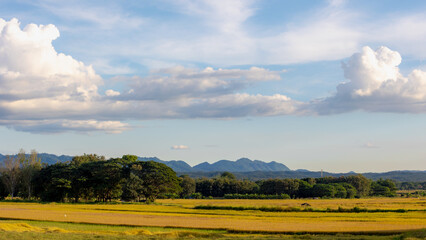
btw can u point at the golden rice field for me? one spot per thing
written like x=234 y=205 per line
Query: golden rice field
x=180 y=214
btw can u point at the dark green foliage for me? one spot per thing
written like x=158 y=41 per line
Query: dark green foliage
x=411 y=185
x=361 y=184
x=224 y=184
x=279 y=186
x=54 y=182
x=296 y=209
x=204 y=186
x=132 y=189
x=326 y=187
x=3 y=191
x=188 y=186
x=305 y=189
x=228 y=175
x=323 y=190
x=196 y=196
x=350 y=190
x=340 y=191
x=385 y=188
x=106 y=179
x=91 y=177
x=156 y=178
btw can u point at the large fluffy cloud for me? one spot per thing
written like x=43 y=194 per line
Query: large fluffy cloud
x=376 y=84
x=42 y=90
x=31 y=68
x=45 y=91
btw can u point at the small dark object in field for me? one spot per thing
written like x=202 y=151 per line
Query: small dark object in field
x=306 y=204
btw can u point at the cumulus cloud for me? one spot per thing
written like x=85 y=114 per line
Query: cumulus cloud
x=31 y=68
x=179 y=147
x=52 y=89
x=45 y=91
x=375 y=84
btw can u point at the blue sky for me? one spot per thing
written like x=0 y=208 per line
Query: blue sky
x=333 y=85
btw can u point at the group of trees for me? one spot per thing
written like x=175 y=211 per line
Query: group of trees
x=92 y=177
x=88 y=177
x=330 y=187
x=18 y=172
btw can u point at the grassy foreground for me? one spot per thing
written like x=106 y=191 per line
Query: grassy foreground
x=225 y=219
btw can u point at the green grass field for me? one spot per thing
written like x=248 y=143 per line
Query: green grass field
x=236 y=219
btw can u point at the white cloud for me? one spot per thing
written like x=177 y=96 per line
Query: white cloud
x=40 y=84
x=178 y=82
x=45 y=91
x=111 y=93
x=369 y=145
x=58 y=126
x=179 y=147
x=241 y=105
x=376 y=85
x=31 y=68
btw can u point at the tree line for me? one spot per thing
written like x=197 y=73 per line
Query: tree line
x=326 y=187
x=93 y=178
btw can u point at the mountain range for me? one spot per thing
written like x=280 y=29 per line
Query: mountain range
x=241 y=165
x=249 y=169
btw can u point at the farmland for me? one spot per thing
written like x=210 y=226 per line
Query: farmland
x=239 y=217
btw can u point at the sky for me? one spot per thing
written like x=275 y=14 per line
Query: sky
x=334 y=85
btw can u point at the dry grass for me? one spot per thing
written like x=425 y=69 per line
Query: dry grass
x=180 y=213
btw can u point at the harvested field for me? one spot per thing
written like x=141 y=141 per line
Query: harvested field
x=181 y=214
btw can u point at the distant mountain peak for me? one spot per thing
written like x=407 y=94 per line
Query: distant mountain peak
x=241 y=165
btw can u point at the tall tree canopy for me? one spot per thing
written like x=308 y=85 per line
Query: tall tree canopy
x=157 y=178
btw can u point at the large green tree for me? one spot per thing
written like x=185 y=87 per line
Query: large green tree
x=361 y=184
x=383 y=187
x=53 y=184
x=157 y=178
x=81 y=170
x=105 y=178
